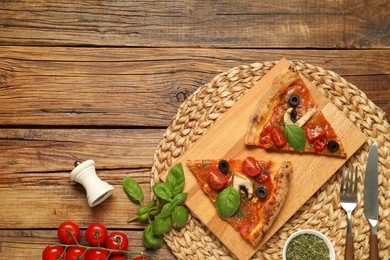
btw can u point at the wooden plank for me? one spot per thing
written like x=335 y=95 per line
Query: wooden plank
x=59 y=199
x=29 y=243
x=103 y=86
x=250 y=24
x=213 y=145
x=47 y=150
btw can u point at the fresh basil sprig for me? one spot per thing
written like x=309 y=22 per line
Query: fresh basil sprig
x=296 y=137
x=227 y=202
x=165 y=211
x=132 y=189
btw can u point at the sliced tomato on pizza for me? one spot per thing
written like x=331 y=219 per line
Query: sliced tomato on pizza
x=291 y=121
x=248 y=193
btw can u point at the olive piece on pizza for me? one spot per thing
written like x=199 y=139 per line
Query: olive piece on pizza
x=333 y=146
x=294 y=115
x=294 y=100
x=223 y=166
x=261 y=192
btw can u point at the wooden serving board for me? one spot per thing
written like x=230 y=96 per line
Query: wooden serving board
x=225 y=139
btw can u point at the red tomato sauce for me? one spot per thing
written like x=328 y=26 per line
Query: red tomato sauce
x=316 y=127
x=247 y=216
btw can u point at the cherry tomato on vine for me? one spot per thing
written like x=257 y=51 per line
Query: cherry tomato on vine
x=75 y=253
x=96 y=254
x=68 y=232
x=96 y=234
x=52 y=252
x=251 y=167
x=140 y=258
x=119 y=257
x=117 y=241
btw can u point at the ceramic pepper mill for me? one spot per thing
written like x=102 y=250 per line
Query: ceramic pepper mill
x=85 y=174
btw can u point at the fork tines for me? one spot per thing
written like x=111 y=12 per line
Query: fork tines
x=349 y=184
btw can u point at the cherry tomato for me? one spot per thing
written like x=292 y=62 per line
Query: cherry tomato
x=119 y=257
x=319 y=144
x=52 y=252
x=313 y=133
x=117 y=241
x=68 y=232
x=265 y=136
x=96 y=234
x=277 y=136
x=96 y=254
x=262 y=177
x=75 y=253
x=140 y=258
x=251 y=167
x=216 y=179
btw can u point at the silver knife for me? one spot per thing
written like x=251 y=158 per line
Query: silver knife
x=371 y=199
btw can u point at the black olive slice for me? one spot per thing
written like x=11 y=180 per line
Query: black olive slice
x=244 y=190
x=223 y=166
x=294 y=115
x=261 y=192
x=333 y=146
x=294 y=100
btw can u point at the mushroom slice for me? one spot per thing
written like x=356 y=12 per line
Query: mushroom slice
x=287 y=116
x=241 y=182
x=301 y=121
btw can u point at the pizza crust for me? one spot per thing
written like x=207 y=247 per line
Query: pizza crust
x=270 y=211
x=262 y=113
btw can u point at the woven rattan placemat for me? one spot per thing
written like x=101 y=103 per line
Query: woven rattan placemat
x=322 y=211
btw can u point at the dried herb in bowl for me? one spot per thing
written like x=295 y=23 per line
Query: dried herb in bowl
x=307 y=246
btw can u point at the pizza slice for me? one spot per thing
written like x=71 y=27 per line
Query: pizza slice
x=248 y=193
x=292 y=121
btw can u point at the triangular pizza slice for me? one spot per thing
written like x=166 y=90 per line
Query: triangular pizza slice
x=292 y=121
x=248 y=193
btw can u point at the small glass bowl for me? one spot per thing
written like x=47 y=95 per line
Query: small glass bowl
x=332 y=254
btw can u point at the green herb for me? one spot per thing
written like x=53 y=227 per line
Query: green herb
x=307 y=247
x=180 y=216
x=161 y=225
x=150 y=240
x=227 y=202
x=162 y=191
x=132 y=189
x=164 y=211
x=175 y=179
x=296 y=137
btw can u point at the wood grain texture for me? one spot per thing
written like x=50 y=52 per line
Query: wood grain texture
x=25 y=151
x=104 y=87
x=303 y=183
x=29 y=243
x=59 y=199
x=102 y=80
x=248 y=24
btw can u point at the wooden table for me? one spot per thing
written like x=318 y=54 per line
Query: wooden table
x=102 y=80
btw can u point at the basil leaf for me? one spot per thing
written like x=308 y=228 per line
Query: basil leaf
x=296 y=137
x=180 y=216
x=150 y=240
x=167 y=210
x=132 y=188
x=162 y=191
x=175 y=179
x=161 y=225
x=180 y=198
x=227 y=202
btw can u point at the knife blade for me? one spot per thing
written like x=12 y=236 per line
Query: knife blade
x=371 y=199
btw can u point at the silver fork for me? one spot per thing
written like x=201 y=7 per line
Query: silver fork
x=348 y=201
